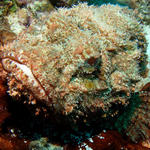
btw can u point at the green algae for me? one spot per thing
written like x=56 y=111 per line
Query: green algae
x=8 y=6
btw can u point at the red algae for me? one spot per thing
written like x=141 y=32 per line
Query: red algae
x=5 y=144
x=10 y=143
x=3 y=98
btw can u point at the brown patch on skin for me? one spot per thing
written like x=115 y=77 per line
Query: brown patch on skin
x=3 y=75
x=146 y=87
x=6 y=35
x=2 y=89
x=3 y=99
x=91 y=61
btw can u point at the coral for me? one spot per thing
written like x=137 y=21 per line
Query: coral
x=40 y=6
x=7 y=6
x=10 y=6
x=79 y=62
x=42 y=144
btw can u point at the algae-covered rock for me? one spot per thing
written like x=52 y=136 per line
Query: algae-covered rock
x=42 y=144
x=7 y=6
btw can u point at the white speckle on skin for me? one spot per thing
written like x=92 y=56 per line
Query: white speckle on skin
x=83 y=144
x=28 y=72
x=100 y=137
x=13 y=135
x=88 y=148
x=12 y=130
x=91 y=140
x=25 y=141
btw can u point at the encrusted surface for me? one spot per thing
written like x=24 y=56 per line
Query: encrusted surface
x=78 y=60
x=141 y=8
